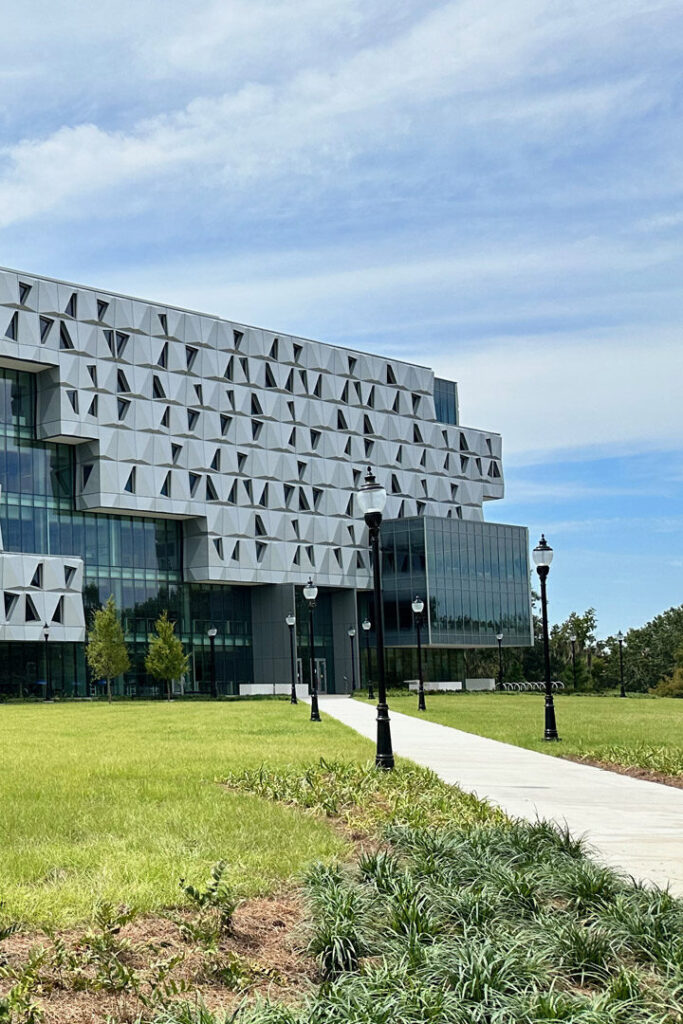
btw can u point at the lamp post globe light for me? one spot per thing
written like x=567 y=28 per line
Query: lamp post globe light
x=48 y=673
x=212 y=640
x=418 y=607
x=543 y=556
x=372 y=498
x=620 y=641
x=291 y=623
x=310 y=594
x=572 y=641
x=351 y=632
x=499 y=638
x=367 y=626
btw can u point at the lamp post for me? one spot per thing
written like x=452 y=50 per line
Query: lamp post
x=620 y=641
x=48 y=673
x=499 y=638
x=372 y=498
x=291 y=623
x=572 y=641
x=351 y=632
x=367 y=626
x=212 y=667
x=310 y=593
x=543 y=556
x=418 y=607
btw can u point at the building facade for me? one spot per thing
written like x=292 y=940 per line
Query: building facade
x=182 y=461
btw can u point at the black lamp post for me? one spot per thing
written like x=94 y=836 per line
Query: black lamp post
x=351 y=632
x=372 y=498
x=572 y=641
x=620 y=641
x=367 y=626
x=499 y=638
x=543 y=556
x=310 y=593
x=291 y=623
x=212 y=667
x=48 y=673
x=418 y=607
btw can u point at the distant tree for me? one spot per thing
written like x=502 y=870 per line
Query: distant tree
x=106 y=651
x=650 y=651
x=166 y=659
x=672 y=686
x=582 y=628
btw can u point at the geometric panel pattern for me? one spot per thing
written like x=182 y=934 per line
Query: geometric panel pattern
x=39 y=589
x=258 y=439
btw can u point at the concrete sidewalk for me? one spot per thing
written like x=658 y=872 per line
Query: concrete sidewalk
x=633 y=825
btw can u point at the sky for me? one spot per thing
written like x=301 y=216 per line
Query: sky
x=491 y=189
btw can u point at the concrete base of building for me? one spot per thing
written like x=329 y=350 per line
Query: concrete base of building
x=455 y=686
x=271 y=689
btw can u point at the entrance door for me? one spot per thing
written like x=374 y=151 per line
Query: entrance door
x=299 y=670
x=321 y=674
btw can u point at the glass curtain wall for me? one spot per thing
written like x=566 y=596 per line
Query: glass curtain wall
x=137 y=560
x=474 y=577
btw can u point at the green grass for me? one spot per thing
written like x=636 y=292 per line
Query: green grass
x=646 y=733
x=119 y=802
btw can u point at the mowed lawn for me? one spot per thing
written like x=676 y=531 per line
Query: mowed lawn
x=634 y=731
x=119 y=802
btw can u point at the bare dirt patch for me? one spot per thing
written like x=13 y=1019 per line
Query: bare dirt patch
x=261 y=954
x=634 y=772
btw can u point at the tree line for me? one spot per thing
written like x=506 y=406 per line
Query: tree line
x=652 y=655
x=107 y=654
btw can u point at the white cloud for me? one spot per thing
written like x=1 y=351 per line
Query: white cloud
x=603 y=391
x=326 y=112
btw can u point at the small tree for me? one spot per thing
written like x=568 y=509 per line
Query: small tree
x=106 y=652
x=166 y=658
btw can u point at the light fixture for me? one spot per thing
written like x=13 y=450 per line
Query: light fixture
x=542 y=553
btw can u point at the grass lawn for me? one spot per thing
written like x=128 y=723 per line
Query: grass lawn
x=119 y=802
x=646 y=733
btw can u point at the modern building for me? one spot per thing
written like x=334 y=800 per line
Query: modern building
x=182 y=461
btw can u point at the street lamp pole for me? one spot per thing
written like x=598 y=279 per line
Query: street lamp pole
x=48 y=672
x=351 y=632
x=418 y=608
x=372 y=498
x=572 y=641
x=367 y=626
x=620 y=641
x=310 y=593
x=212 y=640
x=291 y=622
x=543 y=556
x=499 y=638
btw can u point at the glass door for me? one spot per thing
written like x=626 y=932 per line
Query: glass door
x=321 y=674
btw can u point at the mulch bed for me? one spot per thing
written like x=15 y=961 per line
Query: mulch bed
x=635 y=773
x=266 y=936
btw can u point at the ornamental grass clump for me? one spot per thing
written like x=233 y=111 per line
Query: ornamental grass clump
x=364 y=798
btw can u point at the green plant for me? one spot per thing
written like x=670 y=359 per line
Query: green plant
x=218 y=894
x=364 y=798
x=166 y=659
x=337 y=941
x=586 y=953
x=106 y=650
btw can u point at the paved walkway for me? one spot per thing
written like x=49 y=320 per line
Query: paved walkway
x=632 y=824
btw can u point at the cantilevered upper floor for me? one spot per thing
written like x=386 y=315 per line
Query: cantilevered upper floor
x=257 y=438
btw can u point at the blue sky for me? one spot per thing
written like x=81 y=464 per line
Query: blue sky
x=494 y=189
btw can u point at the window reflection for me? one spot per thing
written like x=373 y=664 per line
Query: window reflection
x=475 y=576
